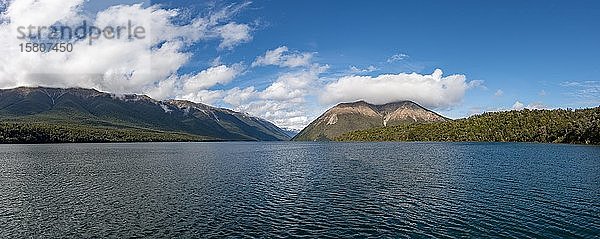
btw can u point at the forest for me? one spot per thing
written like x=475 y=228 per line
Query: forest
x=579 y=126
x=25 y=133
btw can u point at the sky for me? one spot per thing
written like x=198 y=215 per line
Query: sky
x=289 y=61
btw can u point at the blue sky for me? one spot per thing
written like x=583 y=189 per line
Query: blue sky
x=506 y=54
x=526 y=49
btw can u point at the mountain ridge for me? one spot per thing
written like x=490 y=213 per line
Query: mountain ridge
x=361 y=115
x=93 y=108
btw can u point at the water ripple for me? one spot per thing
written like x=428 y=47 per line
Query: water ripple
x=303 y=190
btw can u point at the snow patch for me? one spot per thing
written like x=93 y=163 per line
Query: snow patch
x=166 y=108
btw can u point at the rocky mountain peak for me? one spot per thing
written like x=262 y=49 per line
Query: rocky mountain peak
x=347 y=117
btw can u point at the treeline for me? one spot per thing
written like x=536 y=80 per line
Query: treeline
x=22 y=133
x=548 y=126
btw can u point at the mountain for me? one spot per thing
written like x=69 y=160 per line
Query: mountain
x=581 y=126
x=348 y=117
x=81 y=111
x=291 y=132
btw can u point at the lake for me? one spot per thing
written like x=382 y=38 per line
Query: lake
x=289 y=189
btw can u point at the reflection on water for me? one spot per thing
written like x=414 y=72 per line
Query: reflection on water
x=299 y=189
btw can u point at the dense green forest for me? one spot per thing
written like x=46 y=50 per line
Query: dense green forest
x=551 y=126
x=70 y=133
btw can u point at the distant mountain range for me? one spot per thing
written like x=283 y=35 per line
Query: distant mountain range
x=47 y=114
x=53 y=115
x=348 y=117
x=290 y=132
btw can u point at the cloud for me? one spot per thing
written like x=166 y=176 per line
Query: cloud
x=216 y=62
x=283 y=58
x=433 y=91
x=40 y=13
x=233 y=34
x=290 y=86
x=204 y=96
x=210 y=77
x=499 y=93
x=533 y=106
x=518 y=106
x=537 y=106
x=283 y=114
x=354 y=69
x=144 y=66
x=197 y=87
x=237 y=96
x=284 y=101
x=397 y=57
x=586 y=92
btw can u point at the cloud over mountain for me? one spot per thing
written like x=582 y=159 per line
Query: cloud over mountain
x=433 y=91
x=147 y=66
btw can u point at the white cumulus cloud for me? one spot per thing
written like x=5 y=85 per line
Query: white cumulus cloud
x=210 y=77
x=433 y=91
x=518 y=105
x=284 y=101
x=144 y=66
x=40 y=12
x=233 y=34
x=533 y=106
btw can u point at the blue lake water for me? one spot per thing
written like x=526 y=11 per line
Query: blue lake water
x=288 y=189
